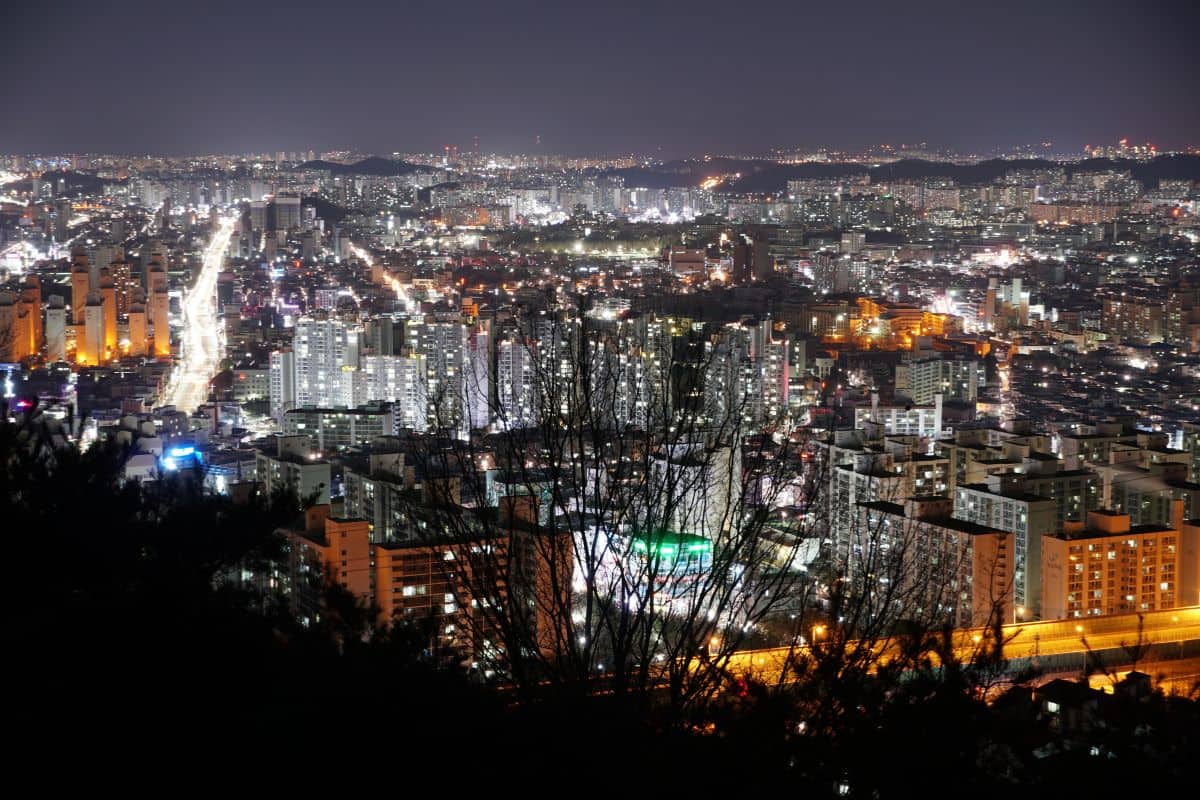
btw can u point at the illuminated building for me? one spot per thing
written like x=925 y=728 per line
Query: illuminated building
x=1094 y=444
x=287 y=212
x=325 y=355
x=1182 y=323
x=954 y=378
x=9 y=337
x=955 y=570
x=108 y=298
x=329 y=551
x=702 y=483
x=56 y=329
x=1003 y=503
x=684 y=262
x=396 y=379
x=138 y=338
x=80 y=281
x=479 y=375
x=123 y=280
x=159 y=309
x=409 y=581
x=907 y=420
x=1133 y=317
x=90 y=349
x=426 y=583
x=250 y=383
x=286 y=464
x=1110 y=566
x=444 y=344
x=516 y=383
x=673 y=564
x=153 y=254
x=258 y=215
x=941 y=197
x=853 y=242
x=375 y=487
x=336 y=428
x=21 y=322
x=1067 y=213
x=281 y=382
x=1148 y=493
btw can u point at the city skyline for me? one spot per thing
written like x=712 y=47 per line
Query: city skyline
x=667 y=81
x=748 y=394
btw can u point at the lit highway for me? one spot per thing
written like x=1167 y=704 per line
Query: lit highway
x=1030 y=640
x=395 y=285
x=199 y=344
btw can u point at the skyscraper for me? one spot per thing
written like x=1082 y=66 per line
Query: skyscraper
x=80 y=284
x=326 y=353
x=160 y=305
x=56 y=329
x=516 y=383
x=89 y=350
x=138 y=338
x=282 y=382
x=108 y=297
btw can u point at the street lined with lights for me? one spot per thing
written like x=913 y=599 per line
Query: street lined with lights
x=199 y=343
x=1021 y=641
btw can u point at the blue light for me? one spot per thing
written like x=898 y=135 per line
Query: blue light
x=182 y=452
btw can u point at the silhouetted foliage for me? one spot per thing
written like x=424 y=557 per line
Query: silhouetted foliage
x=134 y=645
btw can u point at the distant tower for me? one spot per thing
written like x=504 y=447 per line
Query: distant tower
x=108 y=297
x=159 y=318
x=989 y=303
x=8 y=327
x=80 y=279
x=155 y=278
x=123 y=280
x=62 y=220
x=153 y=253
x=90 y=350
x=30 y=316
x=56 y=329
x=138 y=339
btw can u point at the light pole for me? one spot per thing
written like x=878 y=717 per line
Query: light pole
x=1079 y=630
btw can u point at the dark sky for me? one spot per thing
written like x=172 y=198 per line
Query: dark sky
x=686 y=77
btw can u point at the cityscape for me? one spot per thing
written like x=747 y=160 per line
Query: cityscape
x=735 y=458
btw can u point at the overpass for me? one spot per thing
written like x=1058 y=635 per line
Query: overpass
x=1055 y=644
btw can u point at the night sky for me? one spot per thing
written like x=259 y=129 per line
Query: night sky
x=658 y=78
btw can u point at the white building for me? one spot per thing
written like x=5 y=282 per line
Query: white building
x=326 y=353
x=516 y=383
x=282 y=382
x=400 y=380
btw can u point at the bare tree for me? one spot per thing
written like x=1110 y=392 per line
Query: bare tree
x=638 y=515
x=626 y=513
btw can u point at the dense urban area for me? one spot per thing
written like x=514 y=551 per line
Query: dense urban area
x=798 y=455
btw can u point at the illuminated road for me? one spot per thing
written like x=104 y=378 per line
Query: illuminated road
x=395 y=285
x=200 y=345
x=1008 y=409
x=1028 y=640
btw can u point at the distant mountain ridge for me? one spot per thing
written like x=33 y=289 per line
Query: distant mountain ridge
x=372 y=165
x=769 y=176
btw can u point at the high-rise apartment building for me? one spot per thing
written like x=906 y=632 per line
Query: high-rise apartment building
x=1111 y=566
x=326 y=354
x=1004 y=504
